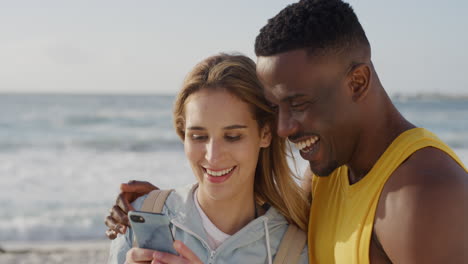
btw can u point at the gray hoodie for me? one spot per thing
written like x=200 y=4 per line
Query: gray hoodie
x=257 y=242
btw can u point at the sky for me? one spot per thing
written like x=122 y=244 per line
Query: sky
x=148 y=46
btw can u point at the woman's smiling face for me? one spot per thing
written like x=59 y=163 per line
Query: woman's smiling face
x=222 y=143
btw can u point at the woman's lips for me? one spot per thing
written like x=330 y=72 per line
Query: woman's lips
x=219 y=176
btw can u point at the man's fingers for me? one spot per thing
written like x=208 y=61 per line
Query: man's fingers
x=111 y=234
x=114 y=226
x=141 y=187
x=130 y=192
x=119 y=216
x=110 y=223
x=139 y=255
x=124 y=202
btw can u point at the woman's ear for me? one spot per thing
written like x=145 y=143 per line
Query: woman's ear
x=265 y=136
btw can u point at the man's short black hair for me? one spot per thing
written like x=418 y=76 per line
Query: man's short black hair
x=314 y=25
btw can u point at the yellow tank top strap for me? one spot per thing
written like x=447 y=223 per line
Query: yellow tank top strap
x=408 y=143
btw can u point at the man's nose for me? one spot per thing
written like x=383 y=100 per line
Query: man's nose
x=287 y=125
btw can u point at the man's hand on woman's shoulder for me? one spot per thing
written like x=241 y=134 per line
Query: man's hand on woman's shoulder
x=117 y=220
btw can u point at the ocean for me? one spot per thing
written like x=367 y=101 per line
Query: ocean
x=62 y=157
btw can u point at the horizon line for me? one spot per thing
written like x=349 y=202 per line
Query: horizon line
x=391 y=94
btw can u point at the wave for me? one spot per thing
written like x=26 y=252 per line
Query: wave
x=119 y=119
x=47 y=195
x=55 y=225
x=428 y=96
x=126 y=143
x=87 y=120
x=97 y=144
x=147 y=145
x=457 y=140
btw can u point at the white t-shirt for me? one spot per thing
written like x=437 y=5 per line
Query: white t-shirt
x=215 y=236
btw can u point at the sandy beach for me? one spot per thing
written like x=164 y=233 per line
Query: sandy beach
x=89 y=252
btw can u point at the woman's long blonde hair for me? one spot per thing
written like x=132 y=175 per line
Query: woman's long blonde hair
x=274 y=181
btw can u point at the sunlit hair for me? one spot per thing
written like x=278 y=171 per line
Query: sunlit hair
x=274 y=181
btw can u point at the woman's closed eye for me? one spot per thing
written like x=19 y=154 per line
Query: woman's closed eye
x=232 y=138
x=198 y=137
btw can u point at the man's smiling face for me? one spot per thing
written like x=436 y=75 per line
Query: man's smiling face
x=314 y=106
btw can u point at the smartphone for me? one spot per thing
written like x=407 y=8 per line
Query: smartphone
x=151 y=231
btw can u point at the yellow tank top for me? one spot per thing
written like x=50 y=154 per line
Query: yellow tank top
x=342 y=215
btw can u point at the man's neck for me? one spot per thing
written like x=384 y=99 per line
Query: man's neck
x=378 y=133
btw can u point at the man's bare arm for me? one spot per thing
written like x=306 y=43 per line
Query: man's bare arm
x=422 y=215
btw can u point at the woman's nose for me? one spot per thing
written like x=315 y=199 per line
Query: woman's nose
x=214 y=151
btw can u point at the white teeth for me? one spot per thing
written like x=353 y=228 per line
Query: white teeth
x=219 y=173
x=306 y=143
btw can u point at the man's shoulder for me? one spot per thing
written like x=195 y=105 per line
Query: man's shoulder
x=427 y=169
x=429 y=179
x=422 y=203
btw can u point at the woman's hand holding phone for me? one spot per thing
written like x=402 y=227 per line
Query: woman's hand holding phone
x=141 y=255
x=152 y=234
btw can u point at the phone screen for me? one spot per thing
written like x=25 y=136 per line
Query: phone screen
x=151 y=231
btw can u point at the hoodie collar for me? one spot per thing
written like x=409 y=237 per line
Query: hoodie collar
x=184 y=214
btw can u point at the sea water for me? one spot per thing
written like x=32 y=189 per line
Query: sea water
x=63 y=157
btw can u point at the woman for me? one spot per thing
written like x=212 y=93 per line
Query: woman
x=245 y=194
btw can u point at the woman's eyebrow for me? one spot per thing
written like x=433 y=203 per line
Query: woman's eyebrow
x=199 y=128
x=196 y=128
x=234 y=127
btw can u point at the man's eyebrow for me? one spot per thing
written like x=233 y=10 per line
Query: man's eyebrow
x=234 y=127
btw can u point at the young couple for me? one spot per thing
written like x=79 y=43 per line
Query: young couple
x=383 y=190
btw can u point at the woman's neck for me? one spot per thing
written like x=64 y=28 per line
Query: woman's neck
x=229 y=215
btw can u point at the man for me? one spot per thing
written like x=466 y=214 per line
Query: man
x=383 y=191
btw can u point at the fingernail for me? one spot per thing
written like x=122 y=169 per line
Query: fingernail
x=157 y=255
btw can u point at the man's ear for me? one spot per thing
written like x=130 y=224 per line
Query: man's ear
x=359 y=81
x=265 y=136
